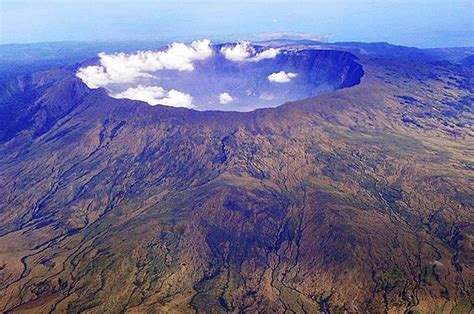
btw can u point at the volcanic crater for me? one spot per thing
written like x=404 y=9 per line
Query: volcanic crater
x=223 y=79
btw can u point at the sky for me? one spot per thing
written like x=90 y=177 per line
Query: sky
x=417 y=23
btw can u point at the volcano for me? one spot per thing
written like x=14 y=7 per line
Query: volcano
x=353 y=195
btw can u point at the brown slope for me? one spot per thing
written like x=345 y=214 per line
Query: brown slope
x=359 y=200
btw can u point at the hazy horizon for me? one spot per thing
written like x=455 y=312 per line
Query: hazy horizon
x=418 y=23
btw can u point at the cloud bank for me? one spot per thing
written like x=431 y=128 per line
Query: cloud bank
x=123 y=68
x=225 y=98
x=156 y=95
x=281 y=77
x=244 y=52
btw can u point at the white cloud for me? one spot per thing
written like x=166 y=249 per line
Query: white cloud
x=178 y=99
x=281 y=77
x=123 y=68
x=225 y=98
x=266 y=54
x=239 y=52
x=244 y=52
x=156 y=95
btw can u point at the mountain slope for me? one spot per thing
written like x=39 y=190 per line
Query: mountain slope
x=358 y=200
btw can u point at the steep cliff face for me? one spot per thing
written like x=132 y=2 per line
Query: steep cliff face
x=358 y=200
x=36 y=102
x=315 y=72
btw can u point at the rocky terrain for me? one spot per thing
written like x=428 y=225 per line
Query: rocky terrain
x=359 y=200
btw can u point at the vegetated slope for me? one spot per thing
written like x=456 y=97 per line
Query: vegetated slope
x=359 y=200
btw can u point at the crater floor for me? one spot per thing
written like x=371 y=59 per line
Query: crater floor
x=227 y=77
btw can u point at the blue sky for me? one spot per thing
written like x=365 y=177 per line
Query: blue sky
x=413 y=23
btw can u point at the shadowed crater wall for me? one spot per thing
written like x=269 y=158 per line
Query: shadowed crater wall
x=317 y=71
x=228 y=77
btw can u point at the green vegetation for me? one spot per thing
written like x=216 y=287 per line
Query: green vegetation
x=463 y=307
